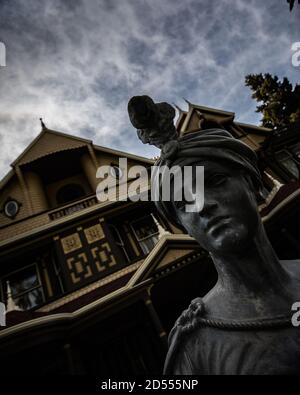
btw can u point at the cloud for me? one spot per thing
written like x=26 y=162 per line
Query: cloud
x=76 y=64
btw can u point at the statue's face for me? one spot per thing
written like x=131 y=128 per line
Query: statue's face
x=229 y=218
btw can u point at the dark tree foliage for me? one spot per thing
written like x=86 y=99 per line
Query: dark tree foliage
x=279 y=100
x=292 y=3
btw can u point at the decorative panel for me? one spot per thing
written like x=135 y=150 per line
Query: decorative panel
x=79 y=268
x=103 y=257
x=71 y=243
x=94 y=233
x=87 y=252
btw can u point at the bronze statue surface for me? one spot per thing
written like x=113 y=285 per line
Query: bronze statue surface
x=243 y=325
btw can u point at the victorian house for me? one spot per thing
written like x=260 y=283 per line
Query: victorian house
x=94 y=287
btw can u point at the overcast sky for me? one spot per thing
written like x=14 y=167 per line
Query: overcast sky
x=76 y=63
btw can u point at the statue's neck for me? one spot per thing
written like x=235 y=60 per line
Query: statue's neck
x=254 y=280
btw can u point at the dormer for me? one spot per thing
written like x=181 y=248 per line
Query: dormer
x=197 y=118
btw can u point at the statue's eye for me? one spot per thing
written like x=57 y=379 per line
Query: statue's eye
x=215 y=180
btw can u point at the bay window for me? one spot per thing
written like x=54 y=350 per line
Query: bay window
x=289 y=162
x=25 y=286
x=146 y=232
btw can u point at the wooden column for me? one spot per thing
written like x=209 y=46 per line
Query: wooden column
x=90 y=170
x=69 y=358
x=24 y=189
x=36 y=192
x=156 y=320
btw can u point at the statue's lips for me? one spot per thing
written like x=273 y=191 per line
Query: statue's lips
x=216 y=222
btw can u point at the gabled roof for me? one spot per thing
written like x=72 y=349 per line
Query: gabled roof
x=6 y=178
x=211 y=110
x=123 y=154
x=260 y=130
x=48 y=142
x=163 y=254
x=51 y=141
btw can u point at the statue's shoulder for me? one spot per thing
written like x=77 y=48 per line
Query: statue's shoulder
x=189 y=317
x=184 y=325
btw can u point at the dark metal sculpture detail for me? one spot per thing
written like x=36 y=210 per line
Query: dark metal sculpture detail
x=154 y=121
x=243 y=325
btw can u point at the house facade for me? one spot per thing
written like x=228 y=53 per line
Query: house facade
x=94 y=287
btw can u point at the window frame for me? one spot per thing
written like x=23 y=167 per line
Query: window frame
x=40 y=286
x=145 y=238
x=292 y=156
x=120 y=244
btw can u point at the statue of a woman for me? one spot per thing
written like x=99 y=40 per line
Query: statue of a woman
x=243 y=325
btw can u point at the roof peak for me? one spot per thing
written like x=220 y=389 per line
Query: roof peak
x=44 y=127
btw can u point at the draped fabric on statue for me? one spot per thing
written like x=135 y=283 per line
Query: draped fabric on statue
x=213 y=144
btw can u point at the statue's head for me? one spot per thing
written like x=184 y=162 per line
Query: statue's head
x=229 y=217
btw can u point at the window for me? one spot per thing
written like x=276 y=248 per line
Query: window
x=69 y=193
x=146 y=233
x=25 y=286
x=118 y=240
x=289 y=162
x=11 y=208
x=58 y=284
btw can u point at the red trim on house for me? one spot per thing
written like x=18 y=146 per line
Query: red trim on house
x=16 y=317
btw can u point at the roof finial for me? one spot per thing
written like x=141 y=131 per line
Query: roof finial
x=188 y=102
x=161 y=230
x=42 y=124
x=178 y=108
